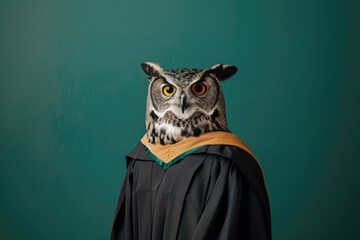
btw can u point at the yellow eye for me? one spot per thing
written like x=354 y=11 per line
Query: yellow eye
x=168 y=90
x=199 y=88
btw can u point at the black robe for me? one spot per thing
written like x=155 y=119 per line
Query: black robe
x=212 y=192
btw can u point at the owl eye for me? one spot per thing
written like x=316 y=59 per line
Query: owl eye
x=168 y=90
x=198 y=88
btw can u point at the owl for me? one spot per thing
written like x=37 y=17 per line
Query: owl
x=189 y=177
x=185 y=102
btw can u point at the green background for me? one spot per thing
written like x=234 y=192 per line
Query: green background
x=72 y=104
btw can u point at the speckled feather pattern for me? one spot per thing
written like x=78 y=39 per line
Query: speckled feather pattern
x=169 y=129
x=184 y=75
x=166 y=121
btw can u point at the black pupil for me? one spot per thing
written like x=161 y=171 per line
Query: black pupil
x=198 y=88
x=169 y=89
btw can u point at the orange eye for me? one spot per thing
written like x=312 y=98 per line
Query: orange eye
x=168 y=90
x=198 y=88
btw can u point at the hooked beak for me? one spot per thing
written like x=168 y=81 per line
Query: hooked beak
x=183 y=103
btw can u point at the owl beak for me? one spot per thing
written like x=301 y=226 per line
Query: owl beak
x=183 y=103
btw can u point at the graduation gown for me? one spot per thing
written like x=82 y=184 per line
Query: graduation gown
x=201 y=188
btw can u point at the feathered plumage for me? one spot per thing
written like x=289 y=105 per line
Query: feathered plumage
x=185 y=102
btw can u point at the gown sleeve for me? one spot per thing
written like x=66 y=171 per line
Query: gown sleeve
x=233 y=210
x=122 y=228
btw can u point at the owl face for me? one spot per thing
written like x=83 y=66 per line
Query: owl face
x=185 y=102
x=184 y=97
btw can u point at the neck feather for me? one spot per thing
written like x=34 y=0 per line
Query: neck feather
x=169 y=129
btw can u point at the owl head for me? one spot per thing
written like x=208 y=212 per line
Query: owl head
x=185 y=102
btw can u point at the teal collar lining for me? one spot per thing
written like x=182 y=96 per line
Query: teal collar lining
x=164 y=165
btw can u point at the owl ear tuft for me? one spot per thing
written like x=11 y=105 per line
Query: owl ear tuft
x=151 y=69
x=223 y=71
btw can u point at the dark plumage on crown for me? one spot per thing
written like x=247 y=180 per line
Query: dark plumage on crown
x=184 y=75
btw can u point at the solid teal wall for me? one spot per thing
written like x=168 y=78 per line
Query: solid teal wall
x=72 y=104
